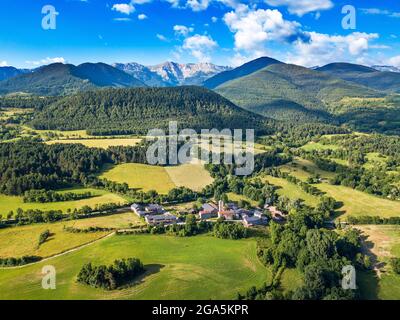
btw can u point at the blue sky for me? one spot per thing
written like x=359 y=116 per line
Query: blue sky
x=225 y=32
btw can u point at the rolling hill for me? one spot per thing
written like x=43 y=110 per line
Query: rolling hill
x=140 y=109
x=369 y=77
x=239 y=72
x=291 y=92
x=62 y=79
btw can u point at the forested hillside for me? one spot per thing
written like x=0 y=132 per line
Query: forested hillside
x=139 y=109
x=63 y=79
x=369 y=77
x=291 y=92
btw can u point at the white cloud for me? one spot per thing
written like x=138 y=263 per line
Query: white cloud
x=122 y=19
x=214 y=19
x=382 y=12
x=200 y=47
x=47 y=61
x=140 y=1
x=198 y=5
x=162 y=37
x=324 y=48
x=254 y=28
x=3 y=64
x=395 y=61
x=125 y=8
x=182 y=30
x=301 y=7
x=142 y=16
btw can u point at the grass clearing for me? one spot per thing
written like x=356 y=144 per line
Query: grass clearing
x=8 y=203
x=200 y=267
x=291 y=190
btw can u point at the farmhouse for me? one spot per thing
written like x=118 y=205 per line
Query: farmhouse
x=208 y=211
x=253 y=221
x=161 y=219
x=142 y=211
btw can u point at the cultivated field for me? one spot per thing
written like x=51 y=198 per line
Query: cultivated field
x=8 y=203
x=199 y=267
x=100 y=143
x=192 y=176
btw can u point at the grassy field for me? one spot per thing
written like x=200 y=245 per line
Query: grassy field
x=237 y=197
x=141 y=176
x=8 y=203
x=22 y=240
x=100 y=143
x=192 y=176
x=199 y=267
x=162 y=179
x=354 y=202
x=382 y=242
x=292 y=191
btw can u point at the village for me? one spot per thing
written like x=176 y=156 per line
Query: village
x=155 y=214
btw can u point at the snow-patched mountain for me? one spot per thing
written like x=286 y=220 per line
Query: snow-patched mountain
x=142 y=73
x=187 y=73
x=171 y=73
x=386 y=68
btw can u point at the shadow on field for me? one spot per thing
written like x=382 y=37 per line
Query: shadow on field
x=149 y=270
x=368 y=281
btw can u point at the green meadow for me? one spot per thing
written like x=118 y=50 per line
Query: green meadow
x=8 y=203
x=200 y=267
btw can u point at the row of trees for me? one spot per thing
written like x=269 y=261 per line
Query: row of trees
x=43 y=196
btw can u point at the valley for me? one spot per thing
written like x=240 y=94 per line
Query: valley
x=76 y=186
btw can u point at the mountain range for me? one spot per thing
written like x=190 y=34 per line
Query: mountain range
x=172 y=73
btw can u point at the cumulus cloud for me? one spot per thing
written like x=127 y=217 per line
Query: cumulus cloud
x=301 y=7
x=200 y=47
x=3 y=64
x=142 y=16
x=214 y=19
x=254 y=28
x=125 y=8
x=182 y=30
x=324 y=48
x=47 y=61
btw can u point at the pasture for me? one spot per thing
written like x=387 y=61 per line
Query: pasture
x=12 y=203
x=22 y=240
x=354 y=202
x=162 y=179
x=200 y=267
